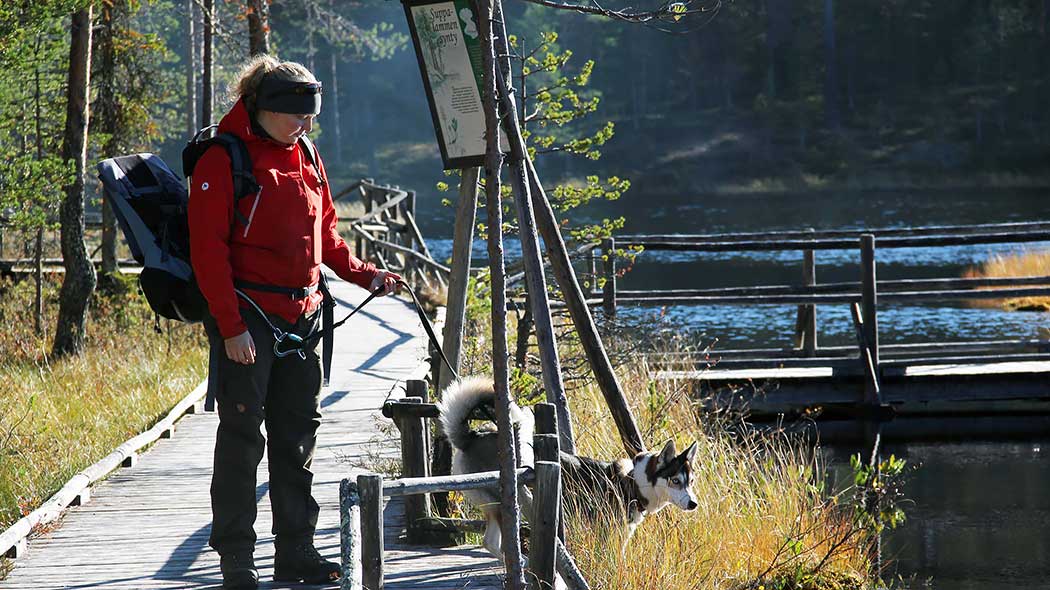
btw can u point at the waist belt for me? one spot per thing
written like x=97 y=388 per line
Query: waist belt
x=291 y=292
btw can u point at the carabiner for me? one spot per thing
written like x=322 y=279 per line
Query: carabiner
x=296 y=341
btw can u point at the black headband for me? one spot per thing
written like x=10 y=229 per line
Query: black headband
x=287 y=96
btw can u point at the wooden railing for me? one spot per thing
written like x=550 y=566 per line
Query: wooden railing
x=869 y=358
x=387 y=233
x=361 y=500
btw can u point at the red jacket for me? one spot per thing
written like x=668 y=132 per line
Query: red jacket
x=291 y=229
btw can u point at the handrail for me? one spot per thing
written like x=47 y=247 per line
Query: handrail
x=758 y=245
x=387 y=232
x=849 y=233
x=451 y=483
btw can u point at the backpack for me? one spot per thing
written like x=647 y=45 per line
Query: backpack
x=151 y=203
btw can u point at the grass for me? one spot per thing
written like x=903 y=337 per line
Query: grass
x=1033 y=263
x=765 y=520
x=59 y=416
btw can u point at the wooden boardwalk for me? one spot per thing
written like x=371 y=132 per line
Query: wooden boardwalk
x=147 y=526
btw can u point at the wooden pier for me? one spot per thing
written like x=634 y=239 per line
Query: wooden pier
x=146 y=527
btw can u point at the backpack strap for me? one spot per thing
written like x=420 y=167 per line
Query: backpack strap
x=244 y=183
x=311 y=154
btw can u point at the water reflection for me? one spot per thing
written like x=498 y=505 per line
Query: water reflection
x=978 y=515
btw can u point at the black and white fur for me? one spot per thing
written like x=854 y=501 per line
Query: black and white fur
x=633 y=488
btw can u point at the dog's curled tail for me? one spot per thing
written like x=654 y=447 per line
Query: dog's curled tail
x=458 y=401
x=461 y=398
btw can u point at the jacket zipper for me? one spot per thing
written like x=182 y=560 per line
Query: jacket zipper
x=251 y=215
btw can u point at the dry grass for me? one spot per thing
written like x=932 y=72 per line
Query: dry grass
x=59 y=416
x=763 y=518
x=1024 y=264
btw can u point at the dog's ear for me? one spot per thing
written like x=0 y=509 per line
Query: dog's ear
x=668 y=453
x=690 y=453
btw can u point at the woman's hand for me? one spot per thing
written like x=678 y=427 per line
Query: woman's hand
x=241 y=348
x=385 y=280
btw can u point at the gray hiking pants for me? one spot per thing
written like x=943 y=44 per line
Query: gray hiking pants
x=283 y=394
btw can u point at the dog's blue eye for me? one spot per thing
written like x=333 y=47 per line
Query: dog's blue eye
x=676 y=481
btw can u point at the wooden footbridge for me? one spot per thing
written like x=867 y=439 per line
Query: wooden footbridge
x=146 y=525
x=978 y=375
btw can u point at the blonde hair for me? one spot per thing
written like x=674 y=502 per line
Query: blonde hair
x=258 y=67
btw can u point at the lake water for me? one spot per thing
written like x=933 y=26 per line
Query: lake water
x=978 y=511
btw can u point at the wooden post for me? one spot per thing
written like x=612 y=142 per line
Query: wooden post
x=545 y=524
x=521 y=348
x=462 y=241
x=809 y=311
x=609 y=290
x=509 y=512
x=349 y=535
x=417 y=388
x=592 y=261
x=547 y=223
x=366 y=196
x=535 y=278
x=408 y=216
x=414 y=461
x=869 y=297
x=872 y=389
x=371 y=489
x=546 y=517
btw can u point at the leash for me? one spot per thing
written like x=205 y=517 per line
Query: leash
x=296 y=344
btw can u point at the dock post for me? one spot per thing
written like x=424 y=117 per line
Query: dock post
x=592 y=262
x=349 y=535
x=547 y=503
x=414 y=460
x=371 y=490
x=609 y=290
x=869 y=297
x=806 y=324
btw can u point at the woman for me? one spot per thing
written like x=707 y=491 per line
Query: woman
x=269 y=246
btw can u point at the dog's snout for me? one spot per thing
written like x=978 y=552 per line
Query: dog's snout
x=692 y=505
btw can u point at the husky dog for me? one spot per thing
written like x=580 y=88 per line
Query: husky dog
x=632 y=488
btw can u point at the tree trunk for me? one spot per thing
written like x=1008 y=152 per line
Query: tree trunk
x=38 y=301
x=207 y=84
x=333 y=91
x=107 y=112
x=79 y=281
x=535 y=277
x=831 y=73
x=511 y=516
x=258 y=27
x=192 y=64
